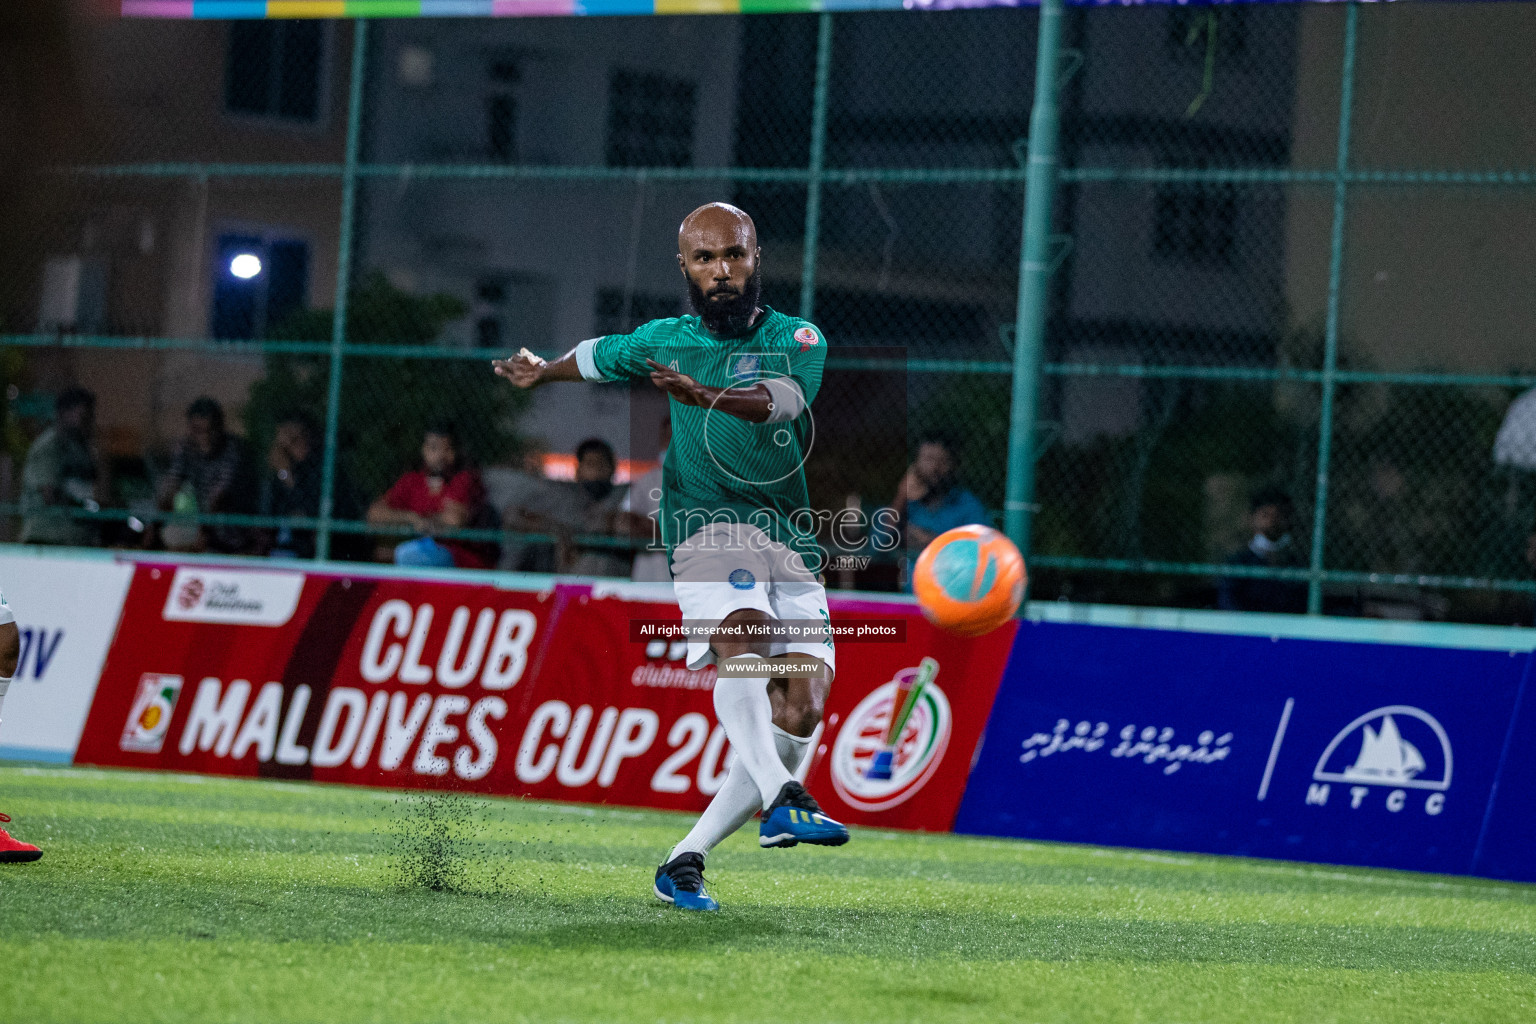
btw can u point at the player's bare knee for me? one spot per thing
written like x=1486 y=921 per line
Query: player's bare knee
x=800 y=711
x=809 y=718
x=800 y=721
x=10 y=649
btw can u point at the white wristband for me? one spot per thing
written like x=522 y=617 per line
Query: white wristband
x=788 y=401
x=586 y=360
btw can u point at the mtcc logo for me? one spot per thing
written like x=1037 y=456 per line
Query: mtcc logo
x=892 y=743
x=1397 y=748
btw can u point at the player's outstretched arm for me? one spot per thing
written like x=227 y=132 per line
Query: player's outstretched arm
x=526 y=370
x=754 y=404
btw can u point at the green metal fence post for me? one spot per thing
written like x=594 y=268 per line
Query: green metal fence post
x=1331 y=331
x=1034 y=275
x=343 y=285
x=818 y=155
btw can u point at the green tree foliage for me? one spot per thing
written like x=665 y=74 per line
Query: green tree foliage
x=387 y=403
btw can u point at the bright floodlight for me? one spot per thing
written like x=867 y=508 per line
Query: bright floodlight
x=245 y=266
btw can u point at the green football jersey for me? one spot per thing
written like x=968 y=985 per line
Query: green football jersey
x=719 y=467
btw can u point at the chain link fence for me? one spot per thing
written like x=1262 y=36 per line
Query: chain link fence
x=1290 y=268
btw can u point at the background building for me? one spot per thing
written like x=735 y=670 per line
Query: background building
x=531 y=173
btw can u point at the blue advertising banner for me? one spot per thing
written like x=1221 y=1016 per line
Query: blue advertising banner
x=1321 y=750
x=1507 y=844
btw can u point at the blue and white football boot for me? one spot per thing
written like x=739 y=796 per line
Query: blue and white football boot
x=680 y=882
x=795 y=817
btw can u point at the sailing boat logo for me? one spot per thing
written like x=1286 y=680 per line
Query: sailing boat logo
x=1398 y=746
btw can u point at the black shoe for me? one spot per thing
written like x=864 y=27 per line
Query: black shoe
x=795 y=817
x=680 y=882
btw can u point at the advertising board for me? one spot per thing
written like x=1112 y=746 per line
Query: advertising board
x=1320 y=750
x=426 y=683
x=66 y=609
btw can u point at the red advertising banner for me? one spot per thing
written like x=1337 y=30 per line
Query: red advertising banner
x=425 y=683
x=940 y=714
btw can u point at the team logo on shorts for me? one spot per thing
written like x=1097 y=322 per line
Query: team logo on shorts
x=893 y=742
x=807 y=337
x=150 y=716
x=741 y=579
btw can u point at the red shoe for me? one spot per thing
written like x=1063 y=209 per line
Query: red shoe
x=14 y=851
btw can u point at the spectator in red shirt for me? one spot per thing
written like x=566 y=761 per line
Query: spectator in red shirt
x=441 y=493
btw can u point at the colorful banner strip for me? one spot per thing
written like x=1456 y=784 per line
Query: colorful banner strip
x=234 y=9
x=229 y=9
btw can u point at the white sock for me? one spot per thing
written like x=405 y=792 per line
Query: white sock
x=731 y=808
x=791 y=749
x=742 y=706
x=737 y=800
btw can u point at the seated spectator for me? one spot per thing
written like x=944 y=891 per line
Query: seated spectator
x=588 y=505
x=292 y=488
x=441 y=493
x=63 y=472
x=1270 y=516
x=211 y=472
x=529 y=500
x=929 y=498
x=598 y=501
x=639 y=518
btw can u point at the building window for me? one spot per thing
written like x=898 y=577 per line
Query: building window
x=650 y=120
x=510 y=311
x=501 y=127
x=1190 y=30
x=609 y=316
x=488 y=332
x=501 y=110
x=258 y=283
x=489 y=309
x=1196 y=224
x=275 y=69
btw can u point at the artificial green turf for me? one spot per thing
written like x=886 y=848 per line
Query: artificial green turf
x=165 y=898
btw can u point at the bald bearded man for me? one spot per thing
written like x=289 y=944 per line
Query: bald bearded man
x=736 y=521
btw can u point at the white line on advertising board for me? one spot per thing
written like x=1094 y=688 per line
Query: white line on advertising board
x=1274 y=749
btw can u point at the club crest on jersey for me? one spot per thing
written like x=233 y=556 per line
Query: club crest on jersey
x=807 y=337
x=741 y=579
x=746 y=368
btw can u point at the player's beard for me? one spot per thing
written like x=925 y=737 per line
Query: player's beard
x=727 y=317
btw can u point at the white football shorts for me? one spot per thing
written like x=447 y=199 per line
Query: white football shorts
x=6 y=615
x=725 y=567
